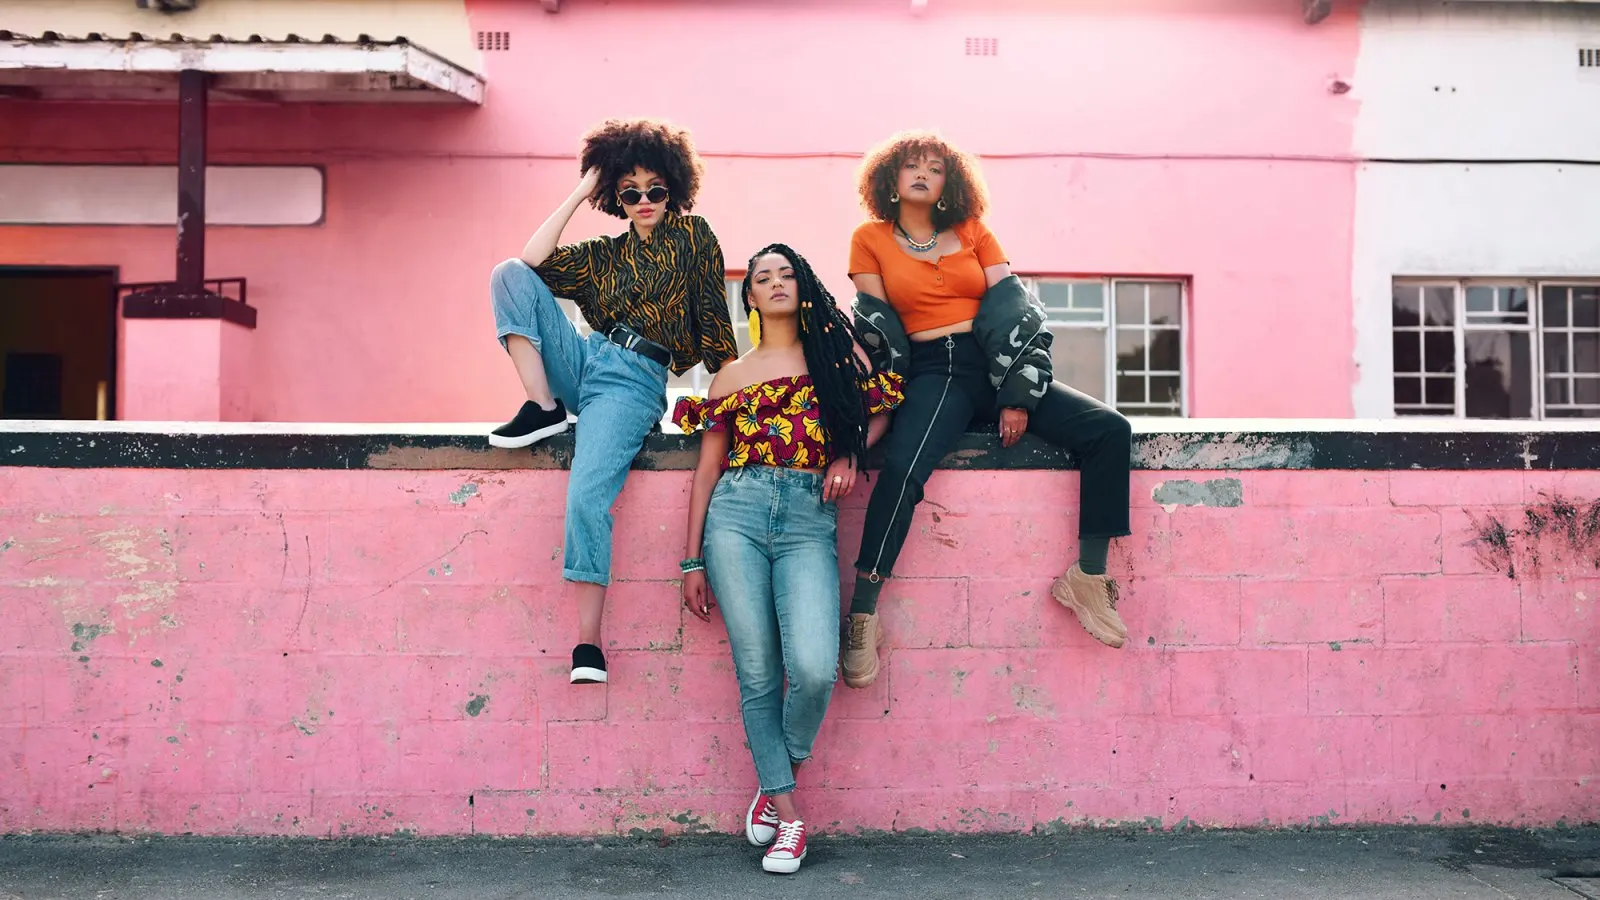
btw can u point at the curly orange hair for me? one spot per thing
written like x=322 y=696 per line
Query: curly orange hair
x=965 y=195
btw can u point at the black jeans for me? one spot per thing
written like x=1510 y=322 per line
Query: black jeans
x=947 y=385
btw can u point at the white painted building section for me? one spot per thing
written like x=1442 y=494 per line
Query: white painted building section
x=1459 y=221
x=1477 y=81
x=1486 y=82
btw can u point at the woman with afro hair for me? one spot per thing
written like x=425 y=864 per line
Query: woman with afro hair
x=656 y=301
x=935 y=295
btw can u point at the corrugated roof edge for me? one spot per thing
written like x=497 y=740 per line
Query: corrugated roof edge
x=176 y=38
x=136 y=37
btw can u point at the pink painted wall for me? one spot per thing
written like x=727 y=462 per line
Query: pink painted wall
x=366 y=652
x=186 y=370
x=381 y=312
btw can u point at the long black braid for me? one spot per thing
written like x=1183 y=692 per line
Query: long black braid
x=829 y=342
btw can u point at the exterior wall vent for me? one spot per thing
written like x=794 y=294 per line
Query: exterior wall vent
x=977 y=46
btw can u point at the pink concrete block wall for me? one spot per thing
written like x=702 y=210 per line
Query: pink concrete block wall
x=369 y=652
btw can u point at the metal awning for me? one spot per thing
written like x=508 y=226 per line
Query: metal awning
x=52 y=66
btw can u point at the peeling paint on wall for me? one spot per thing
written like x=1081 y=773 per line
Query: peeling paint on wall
x=85 y=635
x=1216 y=492
x=1225 y=451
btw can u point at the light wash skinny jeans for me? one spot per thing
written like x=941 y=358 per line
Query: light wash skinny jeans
x=771 y=550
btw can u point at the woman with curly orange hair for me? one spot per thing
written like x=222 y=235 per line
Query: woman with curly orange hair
x=937 y=300
x=656 y=301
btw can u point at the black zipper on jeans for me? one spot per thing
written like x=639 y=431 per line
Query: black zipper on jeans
x=949 y=371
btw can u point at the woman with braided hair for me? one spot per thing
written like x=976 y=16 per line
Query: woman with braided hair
x=785 y=429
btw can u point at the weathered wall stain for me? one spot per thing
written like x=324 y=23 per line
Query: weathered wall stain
x=84 y=634
x=1557 y=534
x=1216 y=492
x=1225 y=451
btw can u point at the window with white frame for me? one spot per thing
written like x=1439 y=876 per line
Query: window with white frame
x=1118 y=340
x=1496 y=348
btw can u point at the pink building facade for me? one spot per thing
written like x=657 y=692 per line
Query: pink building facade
x=1188 y=152
x=234 y=619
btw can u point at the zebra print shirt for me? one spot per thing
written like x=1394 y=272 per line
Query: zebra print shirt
x=670 y=288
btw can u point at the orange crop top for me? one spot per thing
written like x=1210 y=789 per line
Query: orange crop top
x=926 y=294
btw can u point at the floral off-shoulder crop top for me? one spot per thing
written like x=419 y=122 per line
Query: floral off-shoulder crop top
x=778 y=423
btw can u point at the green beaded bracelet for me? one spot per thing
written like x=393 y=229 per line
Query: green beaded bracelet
x=694 y=564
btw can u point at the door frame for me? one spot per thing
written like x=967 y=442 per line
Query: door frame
x=112 y=272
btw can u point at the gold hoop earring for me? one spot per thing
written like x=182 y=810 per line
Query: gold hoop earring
x=894 y=197
x=942 y=205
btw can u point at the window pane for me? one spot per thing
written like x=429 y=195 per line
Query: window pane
x=1515 y=300
x=1089 y=295
x=1555 y=391
x=1555 y=353
x=1055 y=295
x=1554 y=306
x=1165 y=350
x=1587 y=390
x=1585 y=352
x=1439 y=305
x=1407 y=390
x=1574 y=413
x=1164 y=389
x=1079 y=355
x=1499 y=375
x=1497 y=303
x=1074 y=301
x=1439 y=390
x=1166 y=301
x=1130 y=389
x=1407 y=351
x=1130 y=303
x=1439 y=351
x=1131 y=350
x=1407 y=305
x=1586 y=307
x=1480 y=299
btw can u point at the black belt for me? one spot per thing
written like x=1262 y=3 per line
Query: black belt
x=626 y=337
